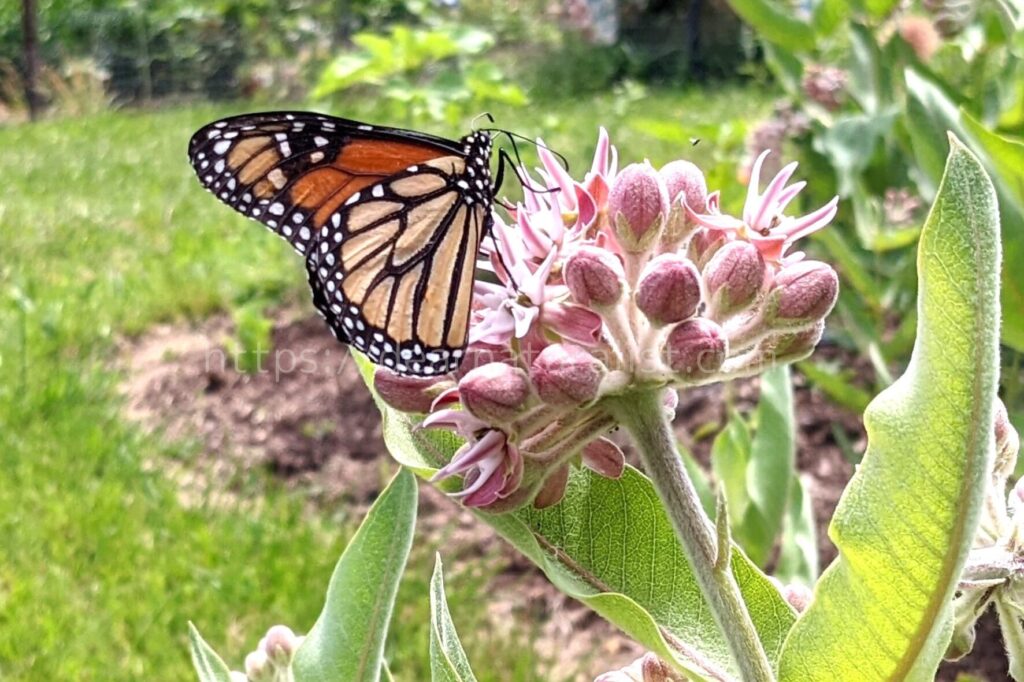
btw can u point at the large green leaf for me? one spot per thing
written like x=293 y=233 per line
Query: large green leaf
x=448 y=662
x=930 y=112
x=1006 y=159
x=774 y=22
x=772 y=461
x=209 y=666
x=906 y=521
x=610 y=545
x=347 y=641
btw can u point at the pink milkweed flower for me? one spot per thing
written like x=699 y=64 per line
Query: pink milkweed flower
x=764 y=224
x=526 y=299
x=571 y=319
x=491 y=465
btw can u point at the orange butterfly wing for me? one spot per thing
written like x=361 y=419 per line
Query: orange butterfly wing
x=389 y=220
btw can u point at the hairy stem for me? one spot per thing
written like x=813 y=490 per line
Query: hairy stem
x=640 y=412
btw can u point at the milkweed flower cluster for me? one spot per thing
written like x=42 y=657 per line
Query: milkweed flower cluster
x=629 y=277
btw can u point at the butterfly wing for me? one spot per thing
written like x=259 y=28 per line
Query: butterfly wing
x=396 y=264
x=389 y=220
x=291 y=170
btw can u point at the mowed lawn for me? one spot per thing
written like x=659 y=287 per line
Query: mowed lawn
x=104 y=232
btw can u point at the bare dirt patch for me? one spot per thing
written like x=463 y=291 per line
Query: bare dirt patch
x=306 y=417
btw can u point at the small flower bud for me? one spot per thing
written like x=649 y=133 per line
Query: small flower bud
x=258 y=667
x=480 y=354
x=792 y=346
x=495 y=393
x=920 y=34
x=1007 y=443
x=733 y=277
x=604 y=457
x=565 y=374
x=695 y=348
x=638 y=205
x=407 y=393
x=684 y=182
x=280 y=644
x=803 y=292
x=704 y=244
x=669 y=289
x=670 y=403
x=798 y=596
x=553 y=489
x=595 y=276
x=649 y=668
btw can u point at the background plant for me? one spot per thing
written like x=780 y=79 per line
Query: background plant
x=870 y=87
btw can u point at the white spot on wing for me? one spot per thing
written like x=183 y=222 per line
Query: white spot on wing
x=277 y=208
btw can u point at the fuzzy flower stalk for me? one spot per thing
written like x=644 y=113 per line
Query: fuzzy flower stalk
x=605 y=296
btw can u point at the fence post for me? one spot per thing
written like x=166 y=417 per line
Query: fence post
x=30 y=46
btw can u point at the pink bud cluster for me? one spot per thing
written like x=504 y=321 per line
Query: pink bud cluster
x=628 y=278
x=271 y=660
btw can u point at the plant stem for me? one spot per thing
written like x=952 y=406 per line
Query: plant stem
x=641 y=413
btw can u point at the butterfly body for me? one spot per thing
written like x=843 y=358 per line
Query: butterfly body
x=388 y=220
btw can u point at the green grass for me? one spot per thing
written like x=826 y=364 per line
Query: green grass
x=104 y=232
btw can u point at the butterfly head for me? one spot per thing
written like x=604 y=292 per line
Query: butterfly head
x=477 y=150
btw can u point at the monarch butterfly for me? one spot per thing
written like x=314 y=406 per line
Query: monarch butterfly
x=388 y=220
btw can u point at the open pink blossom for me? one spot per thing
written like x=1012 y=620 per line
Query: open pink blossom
x=764 y=222
x=491 y=465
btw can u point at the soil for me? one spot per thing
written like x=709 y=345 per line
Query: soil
x=305 y=416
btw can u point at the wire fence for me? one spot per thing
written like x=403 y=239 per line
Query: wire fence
x=91 y=55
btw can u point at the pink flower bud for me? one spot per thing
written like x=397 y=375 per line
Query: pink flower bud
x=407 y=393
x=790 y=346
x=733 y=277
x=669 y=289
x=649 y=668
x=258 y=667
x=799 y=596
x=704 y=244
x=594 y=276
x=803 y=292
x=495 y=393
x=638 y=205
x=553 y=489
x=685 y=183
x=565 y=374
x=1007 y=442
x=480 y=354
x=280 y=644
x=670 y=403
x=695 y=348
x=604 y=457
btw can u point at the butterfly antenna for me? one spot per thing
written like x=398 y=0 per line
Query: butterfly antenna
x=558 y=155
x=517 y=166
x=476 y=118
